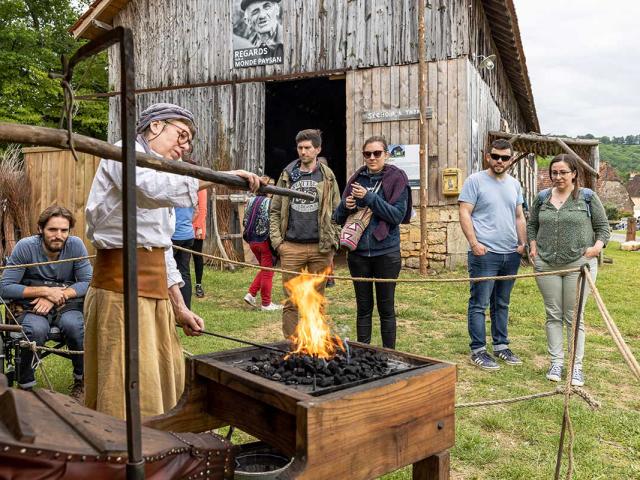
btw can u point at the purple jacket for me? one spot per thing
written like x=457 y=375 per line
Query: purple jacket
x=394 y=182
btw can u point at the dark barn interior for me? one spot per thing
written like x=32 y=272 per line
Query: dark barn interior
x=296 y=105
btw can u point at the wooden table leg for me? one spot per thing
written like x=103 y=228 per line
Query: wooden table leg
x=435 y=467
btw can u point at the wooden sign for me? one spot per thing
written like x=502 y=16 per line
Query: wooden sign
x=394 y=115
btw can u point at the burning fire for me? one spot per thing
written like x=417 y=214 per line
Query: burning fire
x=313 y=334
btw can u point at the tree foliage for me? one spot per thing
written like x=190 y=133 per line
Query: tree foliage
x=33 y=37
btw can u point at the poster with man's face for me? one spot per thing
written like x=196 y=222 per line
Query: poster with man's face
x=257 y=33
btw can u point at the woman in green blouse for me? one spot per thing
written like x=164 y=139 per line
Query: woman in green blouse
x=568 y=227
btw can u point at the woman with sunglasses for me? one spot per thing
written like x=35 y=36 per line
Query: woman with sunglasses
x=568 y=227
x=385 y=190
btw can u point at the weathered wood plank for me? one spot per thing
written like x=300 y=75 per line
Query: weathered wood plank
x=394 y=102
x=464 y=125
x=405 y=102
x=443 y=115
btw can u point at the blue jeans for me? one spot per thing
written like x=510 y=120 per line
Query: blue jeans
x=36 y=327
x=493 y=294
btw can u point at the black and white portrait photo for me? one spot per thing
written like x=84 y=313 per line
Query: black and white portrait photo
x=257 y=33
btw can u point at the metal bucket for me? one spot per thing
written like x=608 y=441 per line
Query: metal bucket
x=259 y=461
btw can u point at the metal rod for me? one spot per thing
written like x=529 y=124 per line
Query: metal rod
x=246 y=342
x=135 y=462
x=581 y=299
x=123 y=36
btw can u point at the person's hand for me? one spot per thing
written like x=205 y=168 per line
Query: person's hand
x=592 y=252
x=42 y=306
x=350 y=202
x=533 y=251
x=199 y=234
x=358 y=191
x=191 y=324
x=254 y=180
x=520 y=249
x=479 y=249
x=56 y=295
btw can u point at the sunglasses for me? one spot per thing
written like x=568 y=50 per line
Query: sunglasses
x=374 y=153
x=496 y=157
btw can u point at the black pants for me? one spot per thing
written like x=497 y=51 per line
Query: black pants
x=198 y=261
x=183 y=259
x=383 y=266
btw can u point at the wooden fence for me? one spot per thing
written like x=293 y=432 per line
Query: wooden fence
x=56 y=178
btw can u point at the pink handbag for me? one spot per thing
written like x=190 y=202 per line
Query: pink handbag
x=355 y=226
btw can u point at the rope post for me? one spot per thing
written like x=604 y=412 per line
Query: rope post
x=422 y=97
x=566 y=419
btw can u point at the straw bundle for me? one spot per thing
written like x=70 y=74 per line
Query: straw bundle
x=15 y=193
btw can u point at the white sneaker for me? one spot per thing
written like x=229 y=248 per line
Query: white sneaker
x=250 y=299
x=272 y=306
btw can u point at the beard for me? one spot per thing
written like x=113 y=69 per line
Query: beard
x=498 y=169
x=53 y=245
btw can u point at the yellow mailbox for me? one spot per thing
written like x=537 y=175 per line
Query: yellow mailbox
x=451 y=181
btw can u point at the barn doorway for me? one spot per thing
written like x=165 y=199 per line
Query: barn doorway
x=292 y=106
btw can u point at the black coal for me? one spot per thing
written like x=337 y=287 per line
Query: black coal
x=360 y=365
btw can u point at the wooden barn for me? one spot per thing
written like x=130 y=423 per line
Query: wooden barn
x=348 y=67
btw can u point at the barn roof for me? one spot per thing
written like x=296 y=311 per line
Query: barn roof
x=500 y=13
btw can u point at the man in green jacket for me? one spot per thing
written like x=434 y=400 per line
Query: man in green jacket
x=302 y=231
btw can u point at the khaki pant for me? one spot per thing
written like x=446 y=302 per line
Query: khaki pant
x=161 y=364
x=559 y=294
x=296 y=256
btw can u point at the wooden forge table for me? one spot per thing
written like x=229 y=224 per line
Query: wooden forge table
x=347 y=432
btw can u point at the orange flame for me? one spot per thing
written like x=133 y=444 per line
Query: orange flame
x=313 y=334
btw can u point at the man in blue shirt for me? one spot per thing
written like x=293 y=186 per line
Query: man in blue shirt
x=493 y=221
x=49 y=294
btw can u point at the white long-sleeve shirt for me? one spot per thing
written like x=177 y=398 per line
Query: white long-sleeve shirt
x=156 y=195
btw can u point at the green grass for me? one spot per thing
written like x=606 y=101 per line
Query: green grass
x=517 y=441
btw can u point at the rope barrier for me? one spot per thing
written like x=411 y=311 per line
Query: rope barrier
x=624 y=349
x=337 y=277
x=591 y=401
x=383 y=280
x=33 y=347
x=50 y=262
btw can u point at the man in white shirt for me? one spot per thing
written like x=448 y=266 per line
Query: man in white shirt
x=167 y=131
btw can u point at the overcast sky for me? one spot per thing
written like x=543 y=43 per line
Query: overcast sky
x=583 y=58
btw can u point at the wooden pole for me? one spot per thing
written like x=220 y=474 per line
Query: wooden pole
x=573 y=154
x=631 y=229
x=544 y=138
x=52 y=137
x=422 y=98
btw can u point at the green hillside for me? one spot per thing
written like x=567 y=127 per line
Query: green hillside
x=624 y=158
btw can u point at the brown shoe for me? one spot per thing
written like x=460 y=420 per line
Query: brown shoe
x=76 y=391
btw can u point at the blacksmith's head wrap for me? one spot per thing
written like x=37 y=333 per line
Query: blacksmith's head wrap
x=164 y=111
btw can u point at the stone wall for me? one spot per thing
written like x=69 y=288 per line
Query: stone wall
x=447 y=246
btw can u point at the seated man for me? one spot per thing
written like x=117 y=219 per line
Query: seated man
x=49 y=294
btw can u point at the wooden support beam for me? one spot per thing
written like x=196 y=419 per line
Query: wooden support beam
x=546 y=138
x=52 y=137
x=573 y=154
x=518 y=158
